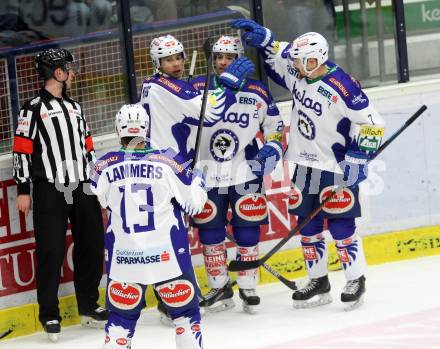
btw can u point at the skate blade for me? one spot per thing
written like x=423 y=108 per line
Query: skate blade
x=88 y=321
x=53 y=337
x=166 y=321
x=349 y=306
x=323 y=299
x=250 y=309
x=222 y=305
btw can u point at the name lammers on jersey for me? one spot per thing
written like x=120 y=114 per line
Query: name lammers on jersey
x=306 y=102
x=143 y=170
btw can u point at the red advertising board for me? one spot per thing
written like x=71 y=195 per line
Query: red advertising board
x=17 y=247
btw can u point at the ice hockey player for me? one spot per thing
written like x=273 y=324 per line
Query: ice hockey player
x=334 y=132
x=168 y=99
x=235 y=165
x=146 y=241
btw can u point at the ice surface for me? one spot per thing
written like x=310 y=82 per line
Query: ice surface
x=401 y=310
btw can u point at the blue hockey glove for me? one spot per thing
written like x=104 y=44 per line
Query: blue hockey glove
x=355 y=165
x=253 y=34
x=267 y=158
x=236 y=73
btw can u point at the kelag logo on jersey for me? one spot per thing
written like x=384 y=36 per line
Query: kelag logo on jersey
x=241 y=119
x=306 y=126
x=223 y=145
x=306 y=102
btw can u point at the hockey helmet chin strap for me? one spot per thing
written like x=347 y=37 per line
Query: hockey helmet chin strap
x=68 y=67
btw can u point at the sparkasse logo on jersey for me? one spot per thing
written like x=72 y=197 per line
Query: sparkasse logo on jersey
x=141 y=257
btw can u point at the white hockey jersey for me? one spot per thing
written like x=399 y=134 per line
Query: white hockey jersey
x=170 y=103
x=139 y=188
x=229 y=139
x=327 y=113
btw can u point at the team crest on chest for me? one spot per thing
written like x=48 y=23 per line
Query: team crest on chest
x=223 y=145
x=306 y=126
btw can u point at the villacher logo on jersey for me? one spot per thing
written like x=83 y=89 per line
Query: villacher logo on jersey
x=208 y=213
x=124 y=295
x=177 y=293
x=252 y=207
x=339 y=203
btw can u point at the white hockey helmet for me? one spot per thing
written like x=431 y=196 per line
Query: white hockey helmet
x=310 y=45
x=132 y=121
x=229 y=44
x=165 y=46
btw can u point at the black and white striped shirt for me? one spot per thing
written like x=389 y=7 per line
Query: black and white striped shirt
x=52 y=142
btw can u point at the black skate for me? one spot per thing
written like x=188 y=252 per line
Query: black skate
x=353 y=293
x=53 y=329
x=165 y=318
x=250 y=300
x=96 y=318
x=315 y=293
x=218 y=299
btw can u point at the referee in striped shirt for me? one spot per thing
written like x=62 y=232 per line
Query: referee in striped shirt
x=53 y=150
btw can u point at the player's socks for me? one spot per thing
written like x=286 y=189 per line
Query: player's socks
x=188 y=333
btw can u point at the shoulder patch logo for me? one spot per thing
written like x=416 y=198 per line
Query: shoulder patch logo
x=339 y=85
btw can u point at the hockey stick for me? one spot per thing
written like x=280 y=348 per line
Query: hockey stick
x=288 y=283
x=207 y=47
x=193 y=66
x=244 y=265
x=6 y=333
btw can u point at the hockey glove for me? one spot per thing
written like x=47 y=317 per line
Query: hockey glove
x=253 y=34
x=267 y=158
x=198 y=179
x=355 y=165
x=236 y=73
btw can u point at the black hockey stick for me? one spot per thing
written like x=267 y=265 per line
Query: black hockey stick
x=207 y=48
x=288 y=283
x=244 y=265
x=6 y=333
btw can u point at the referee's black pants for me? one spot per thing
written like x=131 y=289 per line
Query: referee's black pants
x=51 y=213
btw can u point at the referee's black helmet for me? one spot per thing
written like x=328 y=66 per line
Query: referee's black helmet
x=50 y=59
